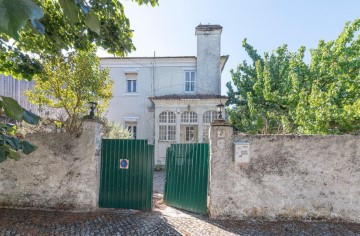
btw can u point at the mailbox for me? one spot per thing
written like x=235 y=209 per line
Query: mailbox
x=242 y=152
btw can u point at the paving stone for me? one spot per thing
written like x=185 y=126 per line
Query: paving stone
x=115 y=222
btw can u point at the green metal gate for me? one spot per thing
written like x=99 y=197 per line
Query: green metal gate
x=126 y=176
x=187 y=177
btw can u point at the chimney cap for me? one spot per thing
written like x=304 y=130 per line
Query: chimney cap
x=208 y=27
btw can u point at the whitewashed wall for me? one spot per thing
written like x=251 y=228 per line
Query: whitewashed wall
x=155 y=77
x=288 y=176
x=63 y=173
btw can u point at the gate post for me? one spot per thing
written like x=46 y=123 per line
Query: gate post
x=91 y=145
x=221 y=150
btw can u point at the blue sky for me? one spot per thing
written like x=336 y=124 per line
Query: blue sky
x=169 y=29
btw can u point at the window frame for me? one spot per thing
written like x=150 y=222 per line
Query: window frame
x=190 y=131
x=189 y=80
x=167 y=126
x=189 y=117
x=131 y=81
x=132 y=129
x=133 y=85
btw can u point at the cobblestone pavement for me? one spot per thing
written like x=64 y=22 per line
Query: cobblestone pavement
x=159 y=181
x=166 y=221
x=163 y=220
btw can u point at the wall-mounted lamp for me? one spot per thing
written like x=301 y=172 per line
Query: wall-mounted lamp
x=92 y=109
x=188 y=107
x=220 y=109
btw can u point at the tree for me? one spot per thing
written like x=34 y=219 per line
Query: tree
x=114 y=130
x=280 y=93
x=70 y=83
x=264 y=99
x=332 y=103
x=10 y=142
x=31 y=29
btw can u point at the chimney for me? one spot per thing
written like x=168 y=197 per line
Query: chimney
x=208 y=75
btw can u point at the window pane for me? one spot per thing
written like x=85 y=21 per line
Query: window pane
x=192 y=86
x=185 y=117
x=129 y=86
x=172 y=132
x=187 y=86
x=192 y=76
x=134 y=85
x=172 y=117
x=193 y=117
x=162 y=132
x=163 y=117
x=190 y=133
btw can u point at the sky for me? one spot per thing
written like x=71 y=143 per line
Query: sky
x=169 y=29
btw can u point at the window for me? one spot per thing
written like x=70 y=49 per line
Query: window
x=188 y=127
x=167 y=127
x=131 y=80
x=131 y=127
x=189 y=81
x=208 y=118
x=131 y=86
x=188 y=117
x=190 y=133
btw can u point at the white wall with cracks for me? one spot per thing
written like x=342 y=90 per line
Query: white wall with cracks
x=290 y=176
x=63 y=173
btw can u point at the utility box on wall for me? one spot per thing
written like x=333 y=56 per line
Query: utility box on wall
x=241 y=152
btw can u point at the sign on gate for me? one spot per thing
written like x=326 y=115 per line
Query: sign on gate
x=124 y=164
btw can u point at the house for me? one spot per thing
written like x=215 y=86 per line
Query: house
x=162 y=99
x=169 y=99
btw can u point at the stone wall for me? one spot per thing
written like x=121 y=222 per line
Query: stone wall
x=287 y=176
x=62 y=173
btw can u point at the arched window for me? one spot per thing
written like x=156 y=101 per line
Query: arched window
x=208 y=118
x=189 y=117
x=167 y=126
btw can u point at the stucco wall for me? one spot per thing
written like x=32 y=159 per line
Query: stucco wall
x=287 y=176
x=208 y=75
x=62 y=173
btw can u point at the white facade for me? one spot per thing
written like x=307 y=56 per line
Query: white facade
x=166 y=99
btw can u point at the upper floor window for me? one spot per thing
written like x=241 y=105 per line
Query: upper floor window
x=167 y=126
x=189 y=81
x=131 y=80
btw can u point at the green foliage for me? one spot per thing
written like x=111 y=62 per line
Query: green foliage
x=280 y=93
x=65 y=25
x=70 y=83
x=33 y=32
x=10 y=142
x=10 y=23
x=114 y=130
